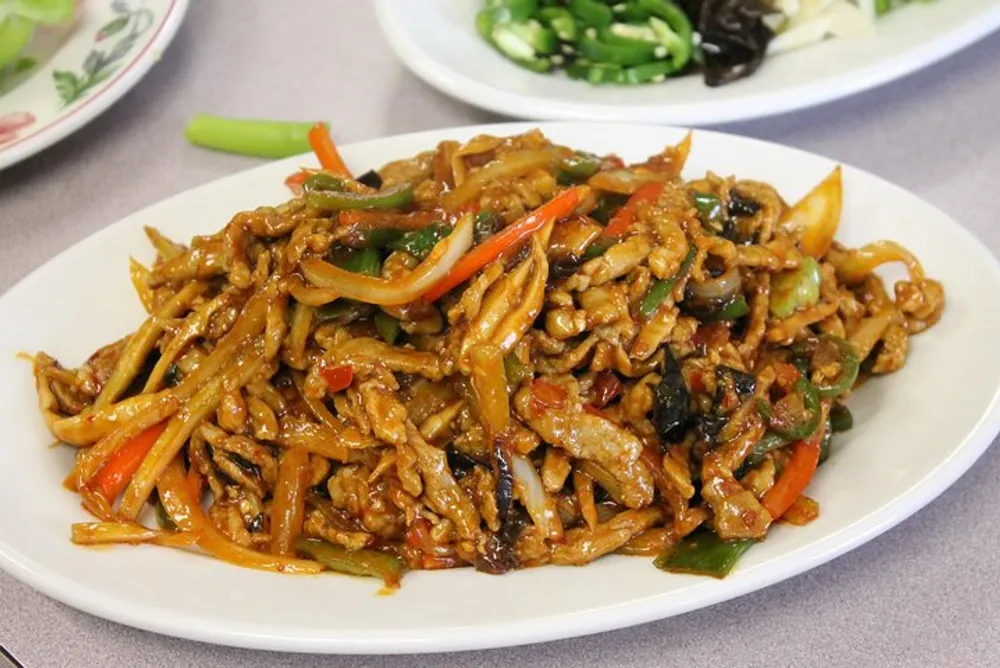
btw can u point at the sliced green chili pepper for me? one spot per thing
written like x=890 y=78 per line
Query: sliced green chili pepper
x=515 y=370
x=380 y=237
x=591 y=13
x=397 y=197
x=172 y=377
x=711 y=211
x=580 y=165
x=625 y=53
x=561 y=21
x=387 y=327
x=369 y=563
x=841 y=418
x=796 y=288
x=631 y=12
x=365 y=262
x=849 y=367
x=419 y=243
x=826 y=442
x=769 y=442
x=607 y=206
x=681 y=43
x=342 y=310
x=800 y=426
x=324 y=181
x=661 y=289
x=703 y=553
x=542 y=40
x=650 y=72
x=597 y=249
x=260 y=138
x=734 y=310
x=595 y=73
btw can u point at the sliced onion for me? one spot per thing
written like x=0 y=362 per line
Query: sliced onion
x=402 y=290
x=530 y=491
x=715 y=291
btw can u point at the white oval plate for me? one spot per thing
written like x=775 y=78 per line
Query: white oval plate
x=437 y=40
x=81 y=70
x=915 y=434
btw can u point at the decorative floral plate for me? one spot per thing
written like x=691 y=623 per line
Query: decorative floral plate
x=69 y=75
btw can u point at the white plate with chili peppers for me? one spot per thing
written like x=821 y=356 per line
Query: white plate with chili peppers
x=896 y=458
x=643 y=61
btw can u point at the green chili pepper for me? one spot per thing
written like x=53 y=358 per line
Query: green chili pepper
x=515 y=370
x=795 y=427
x=710 y=211
x=650 y=72
x=342 y=310
x=380 y=237
x=172 y=377
x=769 y=442
x=734 y=310
x=365 y=262
x=661 y=289
x=259 y=138
x=625 y=53
x=369 y=563
x=849 y=367
x=826 y=442
x=596 y=249
x=561 y=21
x=387 y=327
x=323 y=181
x=841 y=418
x=673 y=28
x=607 y=206
x=595 y=73
x=591 y=13
x=397 y=197
x=580 y=165
x=796 y=288
x=419 y=243
x=632 y=12
x=703 y=553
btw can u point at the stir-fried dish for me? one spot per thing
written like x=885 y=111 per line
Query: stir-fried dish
x=501 y=353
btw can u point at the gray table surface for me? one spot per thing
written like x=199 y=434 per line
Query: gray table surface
x=926 y=593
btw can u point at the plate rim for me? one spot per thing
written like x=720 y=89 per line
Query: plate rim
x=120 y=84
x=521 y=632
x=478 y=93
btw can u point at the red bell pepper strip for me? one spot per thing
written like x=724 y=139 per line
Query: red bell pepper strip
x=115 y=475
x=558 y=207
x=623 y=220
x=798 y=473
x=326 y=151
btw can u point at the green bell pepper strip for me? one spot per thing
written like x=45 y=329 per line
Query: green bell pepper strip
x=591 y=13
x=661 y=289
x=710 y=211
x=259 y=138
x=597 y=249
x=681 y=44
x=396 y=197
x=795 y=288
x=841 y=418
x=703 y=553
x=622 y=51
x=369 y=563
x=561 y=21
x=387 y=327
x=419 y=243
x=801 y=426
x=849 y=367
x=769 y=442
